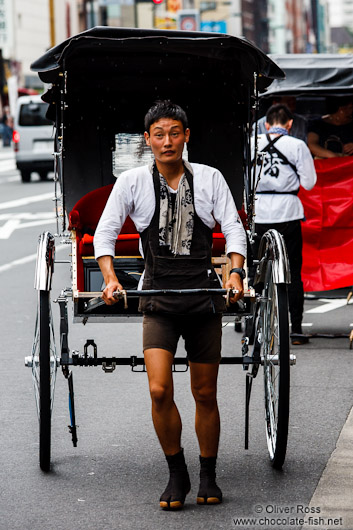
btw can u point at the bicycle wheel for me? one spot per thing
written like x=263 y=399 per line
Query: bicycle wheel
x=275 y=355
x=44 y=368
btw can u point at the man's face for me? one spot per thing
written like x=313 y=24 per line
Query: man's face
x=166 y=138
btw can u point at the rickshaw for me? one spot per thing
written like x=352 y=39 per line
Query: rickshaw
x=314 y=79
x=102 y=83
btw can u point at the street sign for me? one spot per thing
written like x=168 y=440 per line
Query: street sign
x=189 y=19
x=157 y=1
x=217 y=26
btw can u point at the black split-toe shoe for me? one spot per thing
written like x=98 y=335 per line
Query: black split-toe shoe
x=178 y=487
x=209 y=492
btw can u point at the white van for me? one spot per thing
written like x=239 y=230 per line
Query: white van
x=33 y=138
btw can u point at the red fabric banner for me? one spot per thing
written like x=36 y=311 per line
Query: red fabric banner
x=328 y=229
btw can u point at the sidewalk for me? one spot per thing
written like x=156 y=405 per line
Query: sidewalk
x=6 y=152
x=334 y=492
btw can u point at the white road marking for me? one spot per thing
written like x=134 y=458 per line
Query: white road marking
x=28 y=216
x=7 y=229
x=307 y=324
x=329 y=305
x=20 y=261
x=25 y=200
x=7 y=165
x=23 y=261
x=15 y=224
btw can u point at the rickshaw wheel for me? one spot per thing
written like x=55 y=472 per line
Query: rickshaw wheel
x=44 y=374
x=274 y=328
x=44 y=381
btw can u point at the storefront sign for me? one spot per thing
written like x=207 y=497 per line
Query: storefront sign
x=218 y=26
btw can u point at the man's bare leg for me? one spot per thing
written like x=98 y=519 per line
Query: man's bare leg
x=207 y=422
x=165 y=415
x=167 y=423
x=207 y=426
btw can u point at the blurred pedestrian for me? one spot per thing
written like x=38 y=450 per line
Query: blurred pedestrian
x=287 y=165
x=7 y=128
x=332 y=134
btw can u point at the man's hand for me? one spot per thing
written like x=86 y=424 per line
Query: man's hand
x=111 y=281
x=107 y=294
x=235 y=282
x=348 y=149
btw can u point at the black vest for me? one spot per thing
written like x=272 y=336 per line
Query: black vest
x=163 y=270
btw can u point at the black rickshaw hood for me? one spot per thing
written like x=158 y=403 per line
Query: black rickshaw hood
x=50 y=64
x=321 y=74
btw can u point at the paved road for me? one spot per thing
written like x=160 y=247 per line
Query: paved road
x=113 y=479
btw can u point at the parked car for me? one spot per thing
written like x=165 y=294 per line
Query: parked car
x=33 y=138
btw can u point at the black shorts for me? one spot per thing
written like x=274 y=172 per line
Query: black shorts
x=202 y=334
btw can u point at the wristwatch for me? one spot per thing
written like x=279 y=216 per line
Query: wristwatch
x=239 y=271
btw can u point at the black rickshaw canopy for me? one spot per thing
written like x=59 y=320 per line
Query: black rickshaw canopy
x=320 y=74
x=99 y=40
x=105 y=79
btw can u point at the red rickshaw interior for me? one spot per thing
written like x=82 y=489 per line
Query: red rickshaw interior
x=84 y=218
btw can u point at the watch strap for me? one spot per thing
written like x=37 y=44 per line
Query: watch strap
x=239 y=271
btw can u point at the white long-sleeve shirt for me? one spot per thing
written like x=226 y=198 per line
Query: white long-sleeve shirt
x=133 y=194
x=276 y=175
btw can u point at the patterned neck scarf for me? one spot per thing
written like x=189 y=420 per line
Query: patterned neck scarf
x=278 y=130
x=176 y=224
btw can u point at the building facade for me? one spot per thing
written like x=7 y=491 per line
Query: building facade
x=298 y=26
x=341 y=25
x=27 y=33
x=341 y=13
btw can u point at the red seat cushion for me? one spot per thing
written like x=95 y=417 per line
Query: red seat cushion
x=126 y=245
x=87 y=211
x=85 y=216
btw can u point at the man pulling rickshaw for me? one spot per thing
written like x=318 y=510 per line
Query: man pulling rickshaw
x=175 y=206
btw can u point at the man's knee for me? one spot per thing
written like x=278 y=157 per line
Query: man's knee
x=160 y=394
x=205 y=394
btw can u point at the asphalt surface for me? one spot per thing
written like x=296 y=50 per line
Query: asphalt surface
x=113 y=479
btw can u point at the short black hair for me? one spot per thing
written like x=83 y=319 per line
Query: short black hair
x=278 y=114
x=165 y=109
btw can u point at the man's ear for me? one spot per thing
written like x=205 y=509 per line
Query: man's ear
x=187 y=135
x=267 y=125
x=147 y=138
x=289 y=125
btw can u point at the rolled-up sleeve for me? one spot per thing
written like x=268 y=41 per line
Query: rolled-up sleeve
x=226 y=214
x=113 y=217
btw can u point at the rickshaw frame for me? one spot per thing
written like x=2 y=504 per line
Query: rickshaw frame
x=207 y=63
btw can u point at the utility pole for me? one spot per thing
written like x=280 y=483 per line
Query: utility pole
x=52 y=23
